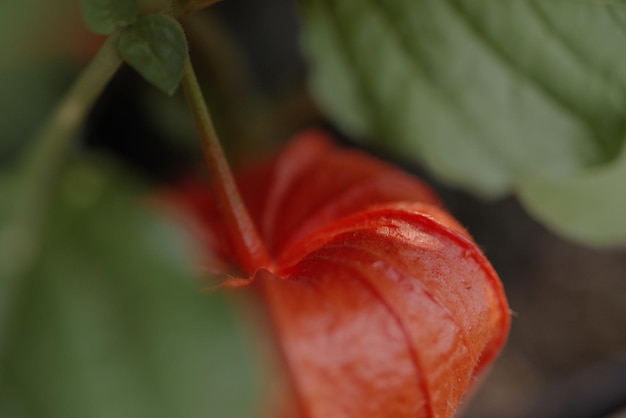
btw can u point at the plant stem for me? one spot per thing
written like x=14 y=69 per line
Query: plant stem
x=260 y=123
x=37 y=176
x=56 y=138
x=249 y=248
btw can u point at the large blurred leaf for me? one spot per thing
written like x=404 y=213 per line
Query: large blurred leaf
x=589 y=207
x=111 y=324
x=484 y=92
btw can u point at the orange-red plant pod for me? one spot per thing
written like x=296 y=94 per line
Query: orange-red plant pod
x=383 y=305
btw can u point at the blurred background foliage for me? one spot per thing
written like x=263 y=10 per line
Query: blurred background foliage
x=111 y=321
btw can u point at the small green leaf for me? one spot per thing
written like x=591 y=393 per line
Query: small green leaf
x=104 y=16
x=156 y=47
x=112 y=322
x=589 y=207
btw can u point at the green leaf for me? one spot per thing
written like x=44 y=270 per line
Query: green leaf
x=156 y=47
x=111 y=322
x=104 y=16
x=483 y=92
x=589 y=207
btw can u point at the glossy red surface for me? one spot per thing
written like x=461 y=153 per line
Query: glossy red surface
x=382 y=304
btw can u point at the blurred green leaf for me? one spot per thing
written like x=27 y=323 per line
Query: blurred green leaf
x=104 y=16
x=111 y=322
x=486 y=94
x=589 y=207
x=481 y=91
x=155 y=46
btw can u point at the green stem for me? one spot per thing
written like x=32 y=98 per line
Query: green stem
x=54 y=141
x=37 y=177
x=260 y=123
x=249 y=248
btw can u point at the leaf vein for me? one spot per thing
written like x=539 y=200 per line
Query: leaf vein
x=437 y=88
x=344 y=44
x=501 y=55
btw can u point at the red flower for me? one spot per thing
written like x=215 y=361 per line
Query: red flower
x=383 y=305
